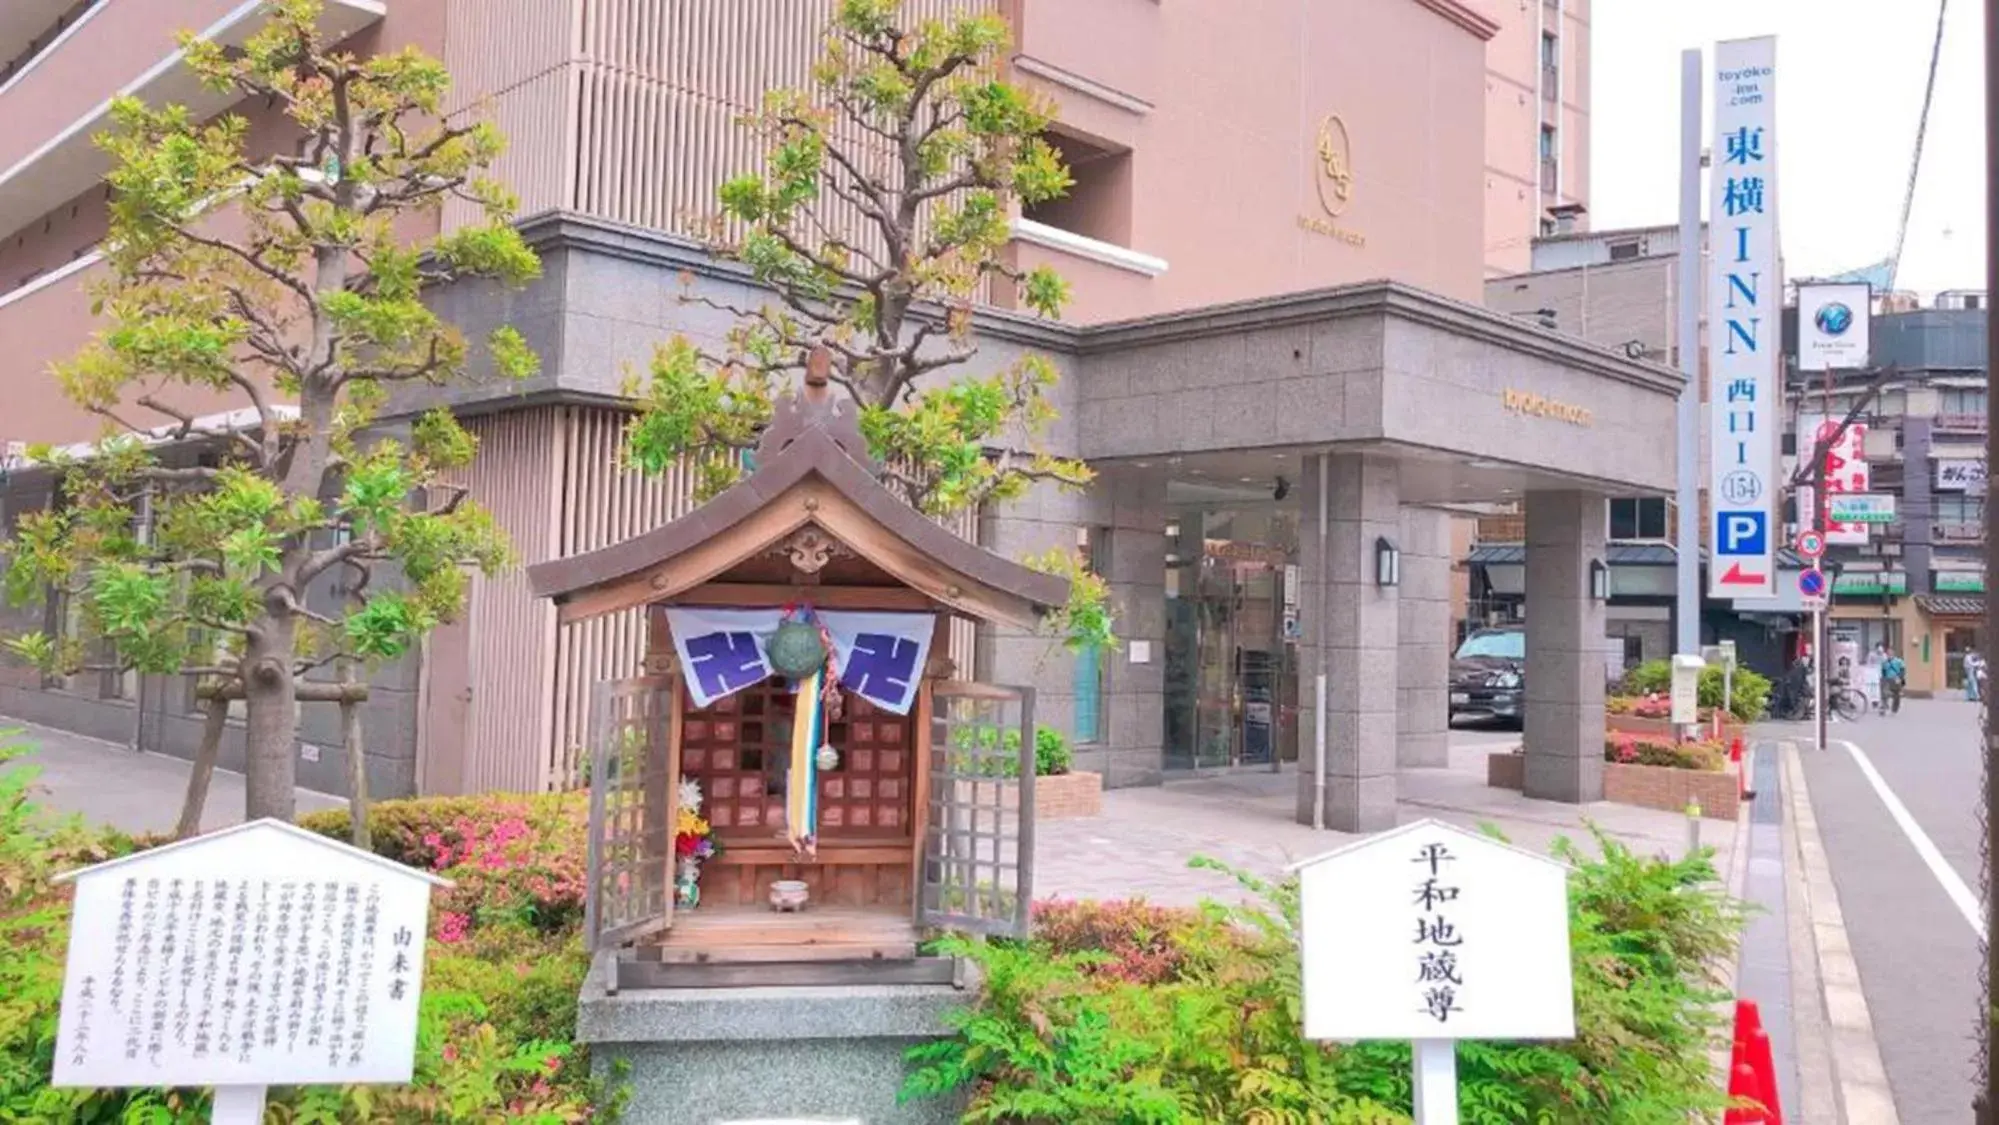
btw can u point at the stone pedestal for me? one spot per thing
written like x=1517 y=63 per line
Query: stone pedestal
x=1355 y=622
x=1565 y=644
x=773 y=1053
x=1424 y=669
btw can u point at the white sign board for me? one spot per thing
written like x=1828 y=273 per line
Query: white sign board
x=1854 y=510
x=1959 y=474
x=261 y=955
x=1846 y=471
x=1833 y=323
x=1745 y=304
x=1686 y=686
x=1428 y=931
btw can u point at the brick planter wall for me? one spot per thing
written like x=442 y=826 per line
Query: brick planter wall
x=1669 y=789
x=1648 y=787
x=1065 y=796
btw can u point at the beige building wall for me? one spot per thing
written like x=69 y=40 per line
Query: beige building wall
x=1532 y=86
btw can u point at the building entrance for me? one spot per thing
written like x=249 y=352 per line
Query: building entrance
x=1231 y=637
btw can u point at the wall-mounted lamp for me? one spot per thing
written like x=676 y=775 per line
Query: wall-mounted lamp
x=1599 y=580
x=1387 y=563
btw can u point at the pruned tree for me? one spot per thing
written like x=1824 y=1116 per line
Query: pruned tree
x=879 y=220
x=289 y=282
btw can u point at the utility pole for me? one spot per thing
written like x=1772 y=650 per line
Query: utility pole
x=1687 y=542
x=1990 y=1096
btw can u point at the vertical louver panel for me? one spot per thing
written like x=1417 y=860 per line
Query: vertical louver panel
x=513 y=62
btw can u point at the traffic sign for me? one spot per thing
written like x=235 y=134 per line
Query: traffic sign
x=1811 y=583
x=1810 y=544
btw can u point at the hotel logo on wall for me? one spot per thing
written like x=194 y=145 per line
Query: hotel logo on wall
x=1333 y=180
x=1833 y=323
x=1744 y=296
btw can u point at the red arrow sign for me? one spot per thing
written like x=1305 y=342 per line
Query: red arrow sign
x=1736 y=576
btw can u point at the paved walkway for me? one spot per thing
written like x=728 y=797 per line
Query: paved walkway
x=110 y=784
x=1141 y=842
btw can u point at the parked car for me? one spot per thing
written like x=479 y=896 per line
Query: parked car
x=1487 y=673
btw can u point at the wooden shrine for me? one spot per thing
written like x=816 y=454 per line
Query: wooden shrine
x=920 y=790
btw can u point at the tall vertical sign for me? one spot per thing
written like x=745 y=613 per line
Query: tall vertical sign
x=1745 y=336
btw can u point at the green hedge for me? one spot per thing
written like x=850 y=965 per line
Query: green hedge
x=1751 y=694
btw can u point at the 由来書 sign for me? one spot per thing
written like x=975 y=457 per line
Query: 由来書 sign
x=1745 y=298
x=261 y=955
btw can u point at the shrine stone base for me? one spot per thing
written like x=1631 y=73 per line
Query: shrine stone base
x=697 y=1056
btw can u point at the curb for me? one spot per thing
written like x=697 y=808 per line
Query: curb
x=1861 y=1079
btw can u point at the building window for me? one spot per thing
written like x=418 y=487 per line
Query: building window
x=1961 y=400
x=1952 y=508
x=1094 y=545
x=1098 y=204
x=1551 y=51
x=1638 y=517
x=1623 y=251
x=1548 y=177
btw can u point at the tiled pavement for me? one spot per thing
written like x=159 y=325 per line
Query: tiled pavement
x=1141 y=842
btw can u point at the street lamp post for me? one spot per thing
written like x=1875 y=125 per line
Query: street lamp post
x=1989 y=1096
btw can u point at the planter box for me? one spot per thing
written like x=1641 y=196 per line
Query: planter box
x=1661 y=728
x=1066 y=796
x=1648 y=787
x=1669 y=789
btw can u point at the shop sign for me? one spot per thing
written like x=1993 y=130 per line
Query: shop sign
x=1959 y=475
x=1846 y=471
x=1862 y=509
x=1236 y=550
x=1833 y=326
x=1871 y=583
x=1960 y=582
x=1745 y=295
x=1541 y=406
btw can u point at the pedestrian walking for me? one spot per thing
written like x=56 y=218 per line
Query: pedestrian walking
x=1974 y=670
x=1894 y=677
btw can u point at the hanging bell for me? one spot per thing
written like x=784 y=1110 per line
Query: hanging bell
x=829 y=759
x=796 y=650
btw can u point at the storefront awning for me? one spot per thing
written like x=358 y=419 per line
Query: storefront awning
x=1951 y=605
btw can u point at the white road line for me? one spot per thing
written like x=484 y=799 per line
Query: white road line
x=1953 y=884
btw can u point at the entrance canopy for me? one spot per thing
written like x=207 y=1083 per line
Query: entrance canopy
x=815 y=499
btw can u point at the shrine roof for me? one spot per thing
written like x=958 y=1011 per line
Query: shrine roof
x=810 y=459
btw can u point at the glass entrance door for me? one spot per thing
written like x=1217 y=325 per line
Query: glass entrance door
x=1231 y=684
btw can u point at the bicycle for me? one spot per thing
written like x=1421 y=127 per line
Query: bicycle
x=1846 y=701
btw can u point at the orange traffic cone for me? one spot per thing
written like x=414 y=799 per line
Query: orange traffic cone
x=1752 y=1074
x=1742 y=761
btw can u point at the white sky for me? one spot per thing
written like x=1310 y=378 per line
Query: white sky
x=1849 y=91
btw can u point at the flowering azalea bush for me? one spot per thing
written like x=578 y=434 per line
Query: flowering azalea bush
x=1631 y=749
x=501 y=977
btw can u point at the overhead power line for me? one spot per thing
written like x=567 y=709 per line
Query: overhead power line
x=1916 y=159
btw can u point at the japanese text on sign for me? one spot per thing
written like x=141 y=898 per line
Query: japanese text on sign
x=1744 y=292
x=247 y=958
x=1431 y=932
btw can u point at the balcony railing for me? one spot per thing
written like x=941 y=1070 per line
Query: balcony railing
x=1958 y=533
x=1959 y=423
x=52 y=109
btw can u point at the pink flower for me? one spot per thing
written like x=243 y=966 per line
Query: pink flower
x=452 y=927
x=450 y=1053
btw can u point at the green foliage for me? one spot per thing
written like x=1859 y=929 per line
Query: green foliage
x=1750 y=697
x=1127 y=1012
x=178 y=566
x=1051 y=752
x=1631 y=749
x=912 y=129
x=499 y=999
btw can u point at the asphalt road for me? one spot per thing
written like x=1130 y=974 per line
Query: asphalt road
x=1917 y=952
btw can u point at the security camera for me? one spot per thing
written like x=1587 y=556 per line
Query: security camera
x=1282 y=490
x=1634 y=349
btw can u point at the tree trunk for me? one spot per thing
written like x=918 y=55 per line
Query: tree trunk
x=215 y=720
x=357 y=766
x=270 y=737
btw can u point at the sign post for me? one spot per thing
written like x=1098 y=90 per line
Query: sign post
x=261 y=955
x=1433 y=934
x=1745 y=296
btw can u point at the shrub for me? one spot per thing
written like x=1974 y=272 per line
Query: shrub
x=1629 y=749
x=1051 y=752
x=1133 y=939
x=1750 y=694
x=1217 y=1036
x=499 y=1001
